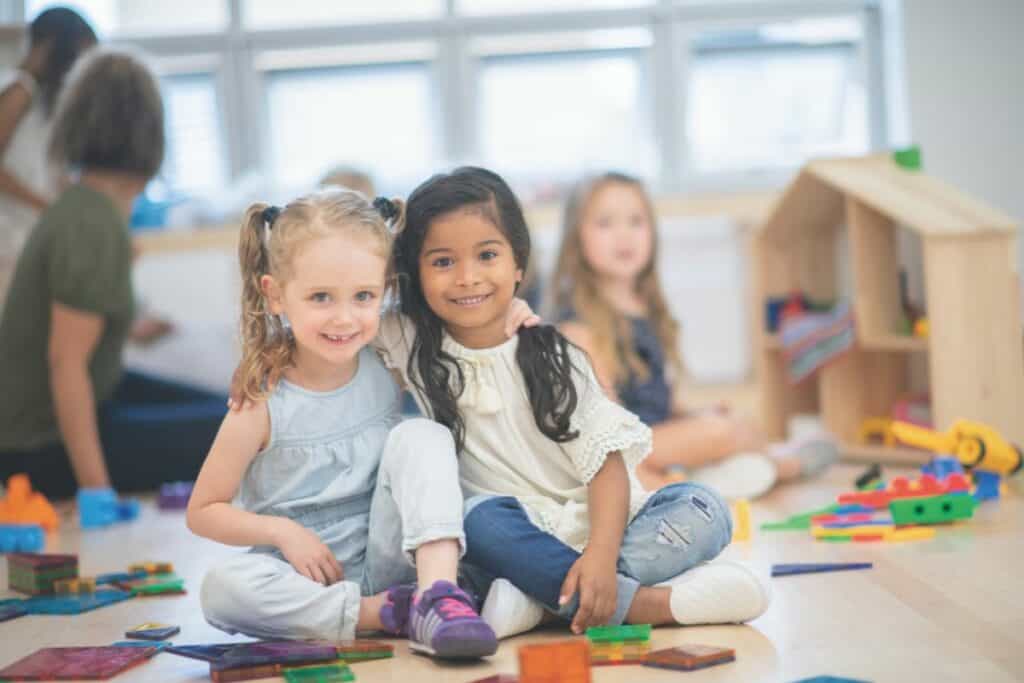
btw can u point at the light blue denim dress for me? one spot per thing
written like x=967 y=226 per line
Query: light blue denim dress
x=320 y=466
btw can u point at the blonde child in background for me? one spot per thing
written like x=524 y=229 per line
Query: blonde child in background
x=608 y=295
x=344 y=506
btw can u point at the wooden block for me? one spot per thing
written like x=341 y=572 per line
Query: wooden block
x=690 y=657
x=566 y=661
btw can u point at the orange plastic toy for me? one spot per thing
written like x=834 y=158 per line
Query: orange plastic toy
x=566 y=661
x=24 y=506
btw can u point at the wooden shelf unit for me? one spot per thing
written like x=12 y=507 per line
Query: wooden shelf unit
x=974 y=356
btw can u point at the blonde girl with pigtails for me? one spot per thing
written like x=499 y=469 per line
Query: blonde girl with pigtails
x=354 y=517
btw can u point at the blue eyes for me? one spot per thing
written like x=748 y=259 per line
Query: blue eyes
x=363 y=297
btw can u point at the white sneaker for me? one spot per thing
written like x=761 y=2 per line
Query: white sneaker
x=509 y=611
x=719 y=593
x=744 y=475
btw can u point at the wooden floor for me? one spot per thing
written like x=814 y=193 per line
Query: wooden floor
x=949 y=609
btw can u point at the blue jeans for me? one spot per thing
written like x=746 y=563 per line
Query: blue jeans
x=152 y=431
x=680 y=526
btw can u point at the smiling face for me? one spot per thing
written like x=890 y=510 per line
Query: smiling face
x=616 y=234
x=469 y=274
x=332 y=298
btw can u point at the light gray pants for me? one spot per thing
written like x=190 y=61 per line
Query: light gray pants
x=417 y=500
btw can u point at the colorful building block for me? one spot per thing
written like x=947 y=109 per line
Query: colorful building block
x=619 y=634
x=21 y=505
x=151 y=568
x=174 y=496
x=74 y=586
x=362 y=650
x=932 y=509
x=814 y=568
x=74 y=604
x=12 y=610
x=35 y=574
x=21 y=538
x=799 y=522
x=690 y=657
x=618 y=653
x=941 y=466
x=870 y=476
x=205 y=653
x=64 y=663
x=322 y=673
x=157 y=645
x=566 y=661
x=901 y=488
x=276 y=652
x=153 y=631
x=158 y=584
x=986 y=485
x=741 y=520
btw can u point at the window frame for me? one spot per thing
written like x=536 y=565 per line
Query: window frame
x=673 y=24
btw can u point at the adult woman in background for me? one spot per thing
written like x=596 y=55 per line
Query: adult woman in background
x=69 y=415
x=56 y=38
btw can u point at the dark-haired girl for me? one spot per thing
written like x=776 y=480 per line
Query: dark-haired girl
x=555 y=512
x=56 y=39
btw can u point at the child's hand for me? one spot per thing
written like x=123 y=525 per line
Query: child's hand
x=519 y=315
x=308 y=554
x=236 y=399
x=593 y=575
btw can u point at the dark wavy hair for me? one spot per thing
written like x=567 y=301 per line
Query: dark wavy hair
x=68 y=36
x=543 y=353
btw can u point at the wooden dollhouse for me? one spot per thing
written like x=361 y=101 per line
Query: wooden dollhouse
x=972 y=361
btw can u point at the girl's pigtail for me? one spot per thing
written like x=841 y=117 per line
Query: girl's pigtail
x=266 y=348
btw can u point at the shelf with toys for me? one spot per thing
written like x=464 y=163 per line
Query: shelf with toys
x=828 y=262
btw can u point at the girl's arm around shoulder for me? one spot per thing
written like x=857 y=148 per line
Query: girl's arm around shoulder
x=242 y=435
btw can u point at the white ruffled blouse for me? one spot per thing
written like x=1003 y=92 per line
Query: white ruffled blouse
x=505 y=454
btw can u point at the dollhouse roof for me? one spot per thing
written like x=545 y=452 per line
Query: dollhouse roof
x=912 y=199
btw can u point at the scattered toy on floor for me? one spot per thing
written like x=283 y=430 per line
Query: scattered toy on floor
x=815 y=568
x=741 y=520
x=21 y=505
x=174 y=496
x=21 y=538
x=690 y=657
x=565 y=661
x=152 y=631
x=56 y=663
x=35 y=574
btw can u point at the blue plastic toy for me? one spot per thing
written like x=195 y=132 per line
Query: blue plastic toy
x=941 y=466
x=101 y=507
x=21 y=538
x=986 y=485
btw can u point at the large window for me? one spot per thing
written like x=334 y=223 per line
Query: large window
x=685 y=93
x=195 y=155
x=112 y=18
x=377 y=118
x=547 y=118
x=776 y=95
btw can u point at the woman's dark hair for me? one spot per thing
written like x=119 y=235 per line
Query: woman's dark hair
x=68 y=35
x=543 y=353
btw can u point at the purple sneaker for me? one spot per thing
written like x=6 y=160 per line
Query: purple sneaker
x=395 y=612
x=443 y=623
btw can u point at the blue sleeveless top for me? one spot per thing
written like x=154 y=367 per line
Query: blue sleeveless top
x=650 y=399
x=320 y=467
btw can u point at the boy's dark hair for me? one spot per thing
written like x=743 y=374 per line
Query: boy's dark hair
x=68 y=36
x=543 y=353
x=110 y=116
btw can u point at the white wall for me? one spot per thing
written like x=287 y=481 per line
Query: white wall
x=964 y=76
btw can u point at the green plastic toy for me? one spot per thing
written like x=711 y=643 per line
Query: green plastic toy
x=932 y=509
x=619 y=634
